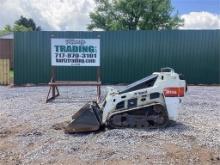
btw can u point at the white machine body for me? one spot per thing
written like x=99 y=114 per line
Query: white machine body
x=167 y=82
x=148 y=103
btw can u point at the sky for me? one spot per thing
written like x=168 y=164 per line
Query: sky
x=70 y=15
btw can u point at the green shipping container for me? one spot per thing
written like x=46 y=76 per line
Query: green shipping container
x=126 y=56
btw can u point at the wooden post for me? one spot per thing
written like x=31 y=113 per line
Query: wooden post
x=4 y=71
x=53 y=77
x=98 y=77
x=53 y=88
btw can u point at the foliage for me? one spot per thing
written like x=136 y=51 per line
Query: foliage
x=28 y=23
x=15 y=28
x=134 y=15
x=21 y=25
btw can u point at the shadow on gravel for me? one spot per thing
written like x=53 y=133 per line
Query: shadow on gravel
x=83 y=134
x=101 y=130
x=177 y=127
x=181 y=127
x=173 y=126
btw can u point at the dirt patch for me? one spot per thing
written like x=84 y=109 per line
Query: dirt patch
x=8 y=155
x=199 y=155
x=5 y=132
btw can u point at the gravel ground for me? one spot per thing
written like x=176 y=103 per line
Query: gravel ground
x=27 y=135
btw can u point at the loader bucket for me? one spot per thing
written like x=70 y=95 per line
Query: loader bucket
x=87 y=119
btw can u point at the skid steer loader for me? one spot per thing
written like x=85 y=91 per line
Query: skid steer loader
x=148 y=103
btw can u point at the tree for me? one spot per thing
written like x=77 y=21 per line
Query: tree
x=15 y=28
x=134 y=15
x=21 y=25
x=28 y=23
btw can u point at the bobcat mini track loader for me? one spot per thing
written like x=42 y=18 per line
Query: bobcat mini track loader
x=148 y=103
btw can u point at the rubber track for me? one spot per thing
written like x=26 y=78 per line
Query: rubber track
x=154 y=116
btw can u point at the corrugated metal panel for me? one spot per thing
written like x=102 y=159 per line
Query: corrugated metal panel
x=125 y=55
x=6 y=50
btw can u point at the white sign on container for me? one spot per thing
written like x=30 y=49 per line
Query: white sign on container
x=75 y=52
